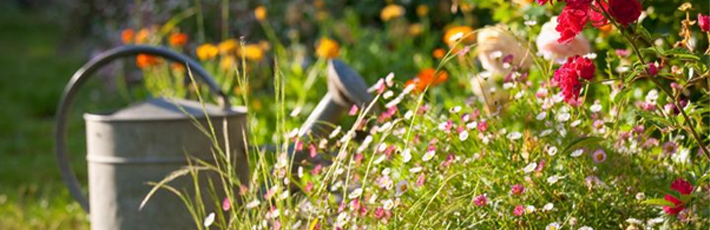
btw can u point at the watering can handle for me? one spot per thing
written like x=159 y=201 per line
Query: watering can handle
x=83 y=74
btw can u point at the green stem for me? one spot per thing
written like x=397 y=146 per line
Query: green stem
x=659 y=85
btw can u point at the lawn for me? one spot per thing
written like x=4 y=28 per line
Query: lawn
x=35 y=68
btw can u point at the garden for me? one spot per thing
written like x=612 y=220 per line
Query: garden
x=455 y=114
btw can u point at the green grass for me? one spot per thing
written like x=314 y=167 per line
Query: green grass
x=34 y=72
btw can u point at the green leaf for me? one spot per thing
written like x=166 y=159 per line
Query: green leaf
x=681 y=54
x=584 y=141
x=658 y=202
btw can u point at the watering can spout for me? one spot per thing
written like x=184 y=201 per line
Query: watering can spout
x=345 y=89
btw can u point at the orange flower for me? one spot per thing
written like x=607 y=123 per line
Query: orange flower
x=178 y=39
x=391 y=11
x=145 y=60
x=228 y=47
x=127 y=36
x=142 y=36
x=426 y=78
x=260 y=13
x=253 y=53
x=439 y=53
x=456 y=33
x=327 y=48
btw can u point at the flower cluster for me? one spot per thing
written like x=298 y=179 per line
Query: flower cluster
x=567 y=77
x=577 y=13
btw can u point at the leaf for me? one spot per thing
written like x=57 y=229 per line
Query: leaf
x=658 y=202
x=584 y=141
x=681 y=54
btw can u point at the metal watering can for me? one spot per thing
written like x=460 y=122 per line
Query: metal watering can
x=145 y=142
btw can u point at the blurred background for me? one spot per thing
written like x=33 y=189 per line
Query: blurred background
x=42 y=43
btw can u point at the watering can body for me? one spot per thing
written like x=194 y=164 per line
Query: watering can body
x=146 y=142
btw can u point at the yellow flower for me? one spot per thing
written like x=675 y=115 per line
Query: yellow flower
x=438 y=53
x=415 y=29
x=206 y=51
x=264 y=45
x=327 y=48
x=422 y=10
x=391 y=11
x=253 y=53
x=260 y=13
x=456 y=33
x=227 y=63
x=228 y=46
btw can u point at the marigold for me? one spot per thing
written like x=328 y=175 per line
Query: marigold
x=178 y=39
x=260 y=13
x=228 y=46
x=206 y=51
x=391 y=11
x=426 y=78
x=145 y=61
x=438 y=53
x=253 y=53
x=227 y=62
x=463 y=33
x=127 y=36
x=422 y=10
x=327 y=48
x=142 y=36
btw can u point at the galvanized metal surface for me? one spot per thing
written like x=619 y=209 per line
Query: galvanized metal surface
x=144 y=143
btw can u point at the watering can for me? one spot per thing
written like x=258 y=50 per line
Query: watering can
x=145 y=142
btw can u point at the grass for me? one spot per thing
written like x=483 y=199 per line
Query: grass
x=32 y=195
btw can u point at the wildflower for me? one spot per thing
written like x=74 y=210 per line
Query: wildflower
x=704 y=22
x=402 y=187
x=406 y=155
x=463 y=135
x=553 y=179
x=353 y=110
x=567 y=77
x=599 y=156
x=682 y=186
x=355 y=193
x=553 y=226
x=670 y=148
x=585 y=228
x=456 y=33
x=677 y=205
x=482 y=126
x=228 y=46
x=145 y=60
x=177 y=39
x=652 y=69
x=517 y=189
x=388 y=204
x=519 y=210
x=226 y=205
x=426 y=78
x=391 y=11
x=209 y=220
x=548 y=207
x=421 y=179
x=431 y=151
x=327 y=48
x=514 y=136
x=206 y=51
x=625 y=11
x=480 y=200
x=551 y=49
x=551 y=150
x=529 y=209
x=253 y=53
x=127 y=36
x=415 y=29
x=438 y=53
x=260 y=13
x=577 y=153
x=530 y=167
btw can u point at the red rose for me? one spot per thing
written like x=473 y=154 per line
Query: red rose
x=704 y=22
x=682 y=186
x=677 y=207
x=625 y=11
x=567 y=76
x=571 y=22
x=597 y=17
